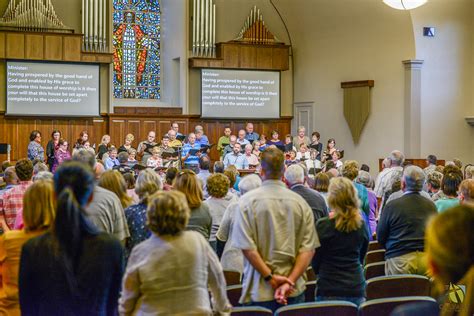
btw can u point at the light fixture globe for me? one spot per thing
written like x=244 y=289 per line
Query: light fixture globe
x=405 y=4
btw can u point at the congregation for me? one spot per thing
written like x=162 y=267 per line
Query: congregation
x=99 y=229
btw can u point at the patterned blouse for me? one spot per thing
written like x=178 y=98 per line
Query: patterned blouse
x=136 y=220
x=35 y=151
x=59 y=157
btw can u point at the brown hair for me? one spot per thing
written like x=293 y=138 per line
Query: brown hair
x=168 y=213
x=273 y=163
x=188 y=183
x=350 y=169
x=342 y=198
x=321 y=182
x=113 y=180
x=24 y=169
x=448 y=245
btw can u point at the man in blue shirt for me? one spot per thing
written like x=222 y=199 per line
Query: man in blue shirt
x=201 y=139
x=251 y=136
x=188 y=159
x=236 y=158
x=112 y=160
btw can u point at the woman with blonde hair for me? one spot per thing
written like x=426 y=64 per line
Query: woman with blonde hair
x=38 y=216
x=170 y=273
x=450 y=254
x=148 y=183
x=188 y=183
x=113 y=180
x=128 y=144
x=344 y=241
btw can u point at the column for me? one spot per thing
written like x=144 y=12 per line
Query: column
x=412 y=108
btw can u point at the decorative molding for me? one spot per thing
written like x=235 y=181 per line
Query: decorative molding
x=129 y=110
x=357 y=84
x=470 y=120
x=413 y=63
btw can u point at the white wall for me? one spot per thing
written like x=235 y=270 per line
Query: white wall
x=446 y=92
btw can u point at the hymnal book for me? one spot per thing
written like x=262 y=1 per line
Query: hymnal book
x=204 y=148
x=314 y=170
x=281 y=147
x=181 y=138
x=167 y=154
x=139 y=167
x=193 y=152
x=224 y=145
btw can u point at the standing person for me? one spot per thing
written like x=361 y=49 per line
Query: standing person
x=12 y=200
x=223 y=140
x=450 y=255
x=128 y=143
x=83 y=138
x=275 y=140
x=252 y=160
x=232 y=258
x=103 y=147
x=236 y=158
x=62 y=154
x=250 y=135
x=386 y=178
x=364 y=179
x=170 y=273
x=401 y=228
x=111 y=160
x=316 y=145
x=450 y=187
x=270 y=217
x=114 y=181
x=52 y=147
x=148 y=183
x=191 y=160
x=200 y=220
x=38 y=216
x=344 y=243
x=301 y=138
x=330 y=149
x=76 y=268
x=294 y=178
x=35 y=150
x=145 y=147
x=175 y=128
x=217 y=187
x=241 y=139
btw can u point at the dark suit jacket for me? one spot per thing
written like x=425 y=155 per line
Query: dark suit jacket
x=401 y=227
x=314 y=199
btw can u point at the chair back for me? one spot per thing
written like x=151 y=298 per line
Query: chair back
x=251 y=311
x=309 y=292
x=374 y=245
x=328 y=308
x=374 y=270
x=233 y=294
x=375 y=256
x=310 y=275
x=232 y=277
x=398 y=286
x=384 y=306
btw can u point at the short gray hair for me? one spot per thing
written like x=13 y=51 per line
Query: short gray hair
x=39 y=167
x=386 y=163
x=414 y=178
x=85 y=156
x=469 y=172
x=294 y=174
x=148 y=182
x=396 y=158
x=43 y=175
x=248 y=183
x=364 y=178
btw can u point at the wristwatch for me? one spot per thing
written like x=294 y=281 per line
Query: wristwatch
x=268 y=277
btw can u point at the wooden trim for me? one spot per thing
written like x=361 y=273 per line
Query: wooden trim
x=357 y=84
x=140 y=110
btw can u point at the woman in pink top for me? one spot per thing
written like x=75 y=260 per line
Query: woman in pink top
x=61 y=154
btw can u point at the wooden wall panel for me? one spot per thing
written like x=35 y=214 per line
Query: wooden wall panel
x=248 y=57
x=2 y=45
x=15 y=46
x=16 y=131
x=264 y=58
x=72 y=48
x=53 y=47
x=34 y=46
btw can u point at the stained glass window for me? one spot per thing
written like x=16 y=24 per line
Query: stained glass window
x=136 y=41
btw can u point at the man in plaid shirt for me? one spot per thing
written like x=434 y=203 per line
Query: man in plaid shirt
x=12 y=200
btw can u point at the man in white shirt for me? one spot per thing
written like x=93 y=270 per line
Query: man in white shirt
x=242 y=140
x=274 y=227
x=385 y=179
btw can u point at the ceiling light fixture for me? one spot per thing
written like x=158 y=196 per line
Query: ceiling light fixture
x=405 y=4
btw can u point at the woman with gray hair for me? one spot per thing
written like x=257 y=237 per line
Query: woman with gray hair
x=170 y=273
x=365 y=179
x=232 y=258
x=148 y=183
